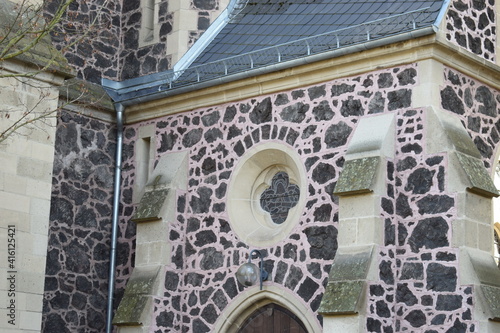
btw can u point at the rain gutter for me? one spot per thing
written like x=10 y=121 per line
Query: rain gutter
x=114 y=87
x=114 y=226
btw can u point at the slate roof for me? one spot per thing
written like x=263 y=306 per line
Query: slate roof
x=258 y=34
x=265 y=23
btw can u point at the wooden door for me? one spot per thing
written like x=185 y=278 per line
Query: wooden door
x=272 y=318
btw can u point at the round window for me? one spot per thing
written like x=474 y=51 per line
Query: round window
x=266 y=194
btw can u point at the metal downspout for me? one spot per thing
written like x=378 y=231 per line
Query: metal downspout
x=114 y=226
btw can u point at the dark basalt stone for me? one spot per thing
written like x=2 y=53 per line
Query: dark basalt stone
x=210 y=314
x=385 y=80
x=199 y=326
x=403 y=208
x=343 y=88
x=297 y=94
x=220 y=300
x=67 y=139
x=202 y=202
x=487 y=99
x=433 y=204
x=192 y=137
x=205 y=4
x=420 y=181
x=100 y=252
x=290 y=251
x=470 y=23
x=441 y=277
x=171 y=281
x=483 y=147
x=438 y=319
x=479 y=4
x=295 y=113
x=230 y=288
x=399 y=99
x=336 y=135
x=292 y=136
x=404 y=295
x=377 y=103
x=211 y=118
x=430 y=233
x=323 y=242
x=281 y=99
x=194 y=279
x=386 y=272
x=351 y=107
x=446 y=256
x=316 y=92
x=61 y=210
x=233 y=132
x=377 y=290
x=78 y=301
x=59 y=301
x=402 y=234
x=281 y=271
x=307 y=289
x=412 y=147
x=407 y=76
x=382 y=309
x=407 y=163
x=205 y=237
x=314 y=269
x=411 y=271
x=387 y=206
x=86 y=217
x=262 y=112
x=165 y=319
x=323 y=173
x=295 y=275
x=475 y=44
x=373 y=325
x=322 y=111
x=77 y=260
x=55 y=323
x=390 y=233
x=205 y=295
x=416 y=318
x=323 y=213
x=448 y=302
x=209 y=166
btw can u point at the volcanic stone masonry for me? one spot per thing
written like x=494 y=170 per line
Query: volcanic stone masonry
x=317 y=122
x=471 y=24
x=110 y=47
x=77 y=268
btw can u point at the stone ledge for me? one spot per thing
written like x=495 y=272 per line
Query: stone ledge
x=347 y=282
x=358 y=176
x=137 y=295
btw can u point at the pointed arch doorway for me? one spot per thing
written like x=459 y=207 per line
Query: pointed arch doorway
x=253 y=302
x=272 y=318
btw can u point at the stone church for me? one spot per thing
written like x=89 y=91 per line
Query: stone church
x=253 y=166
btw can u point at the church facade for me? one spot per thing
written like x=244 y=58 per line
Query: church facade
x=347 y=149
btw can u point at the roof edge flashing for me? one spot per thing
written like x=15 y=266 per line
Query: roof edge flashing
x=206 y=38
x=442 y=13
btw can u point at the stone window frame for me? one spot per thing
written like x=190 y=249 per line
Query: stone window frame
x=145 y=149
x=149 y=31
x=252 y=175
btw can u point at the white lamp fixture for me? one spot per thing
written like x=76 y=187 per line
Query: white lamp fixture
x=248 y=274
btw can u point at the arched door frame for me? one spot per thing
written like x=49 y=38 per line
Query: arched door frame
x=251 y=300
